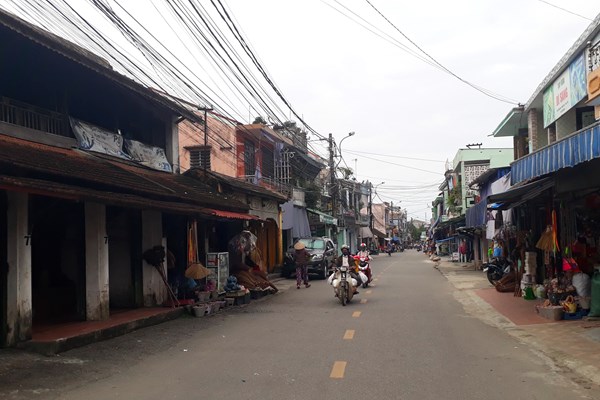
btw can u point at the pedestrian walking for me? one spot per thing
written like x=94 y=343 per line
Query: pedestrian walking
x=301 y=258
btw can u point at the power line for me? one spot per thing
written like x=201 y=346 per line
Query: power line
x=565 y=10
x=394 y=156
x=476 y=87
x=401 y=165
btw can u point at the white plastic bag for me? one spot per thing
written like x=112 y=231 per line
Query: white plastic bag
x=363 y=277
x=330 y=279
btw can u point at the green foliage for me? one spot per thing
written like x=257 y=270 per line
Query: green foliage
x=259 y=120
x=415 y=232
x=454 y=200
x=312 y=194
x=346 y=172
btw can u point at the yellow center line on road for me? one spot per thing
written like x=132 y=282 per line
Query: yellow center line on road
x=349 y=335
x=337 y=372
x=363 y=301
x=369 y=291
x=356 y=314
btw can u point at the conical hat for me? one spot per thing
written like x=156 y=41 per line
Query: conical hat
x=299 y=246
x=197 y=271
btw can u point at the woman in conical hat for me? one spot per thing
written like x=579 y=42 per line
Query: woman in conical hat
x=301 y=257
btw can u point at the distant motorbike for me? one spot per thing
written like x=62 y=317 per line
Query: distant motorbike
x=364 y=266
x=496 y=269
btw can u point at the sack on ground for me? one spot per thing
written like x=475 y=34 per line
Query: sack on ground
x=583 y=284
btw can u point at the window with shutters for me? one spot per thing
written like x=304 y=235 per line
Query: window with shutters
x=199 y=157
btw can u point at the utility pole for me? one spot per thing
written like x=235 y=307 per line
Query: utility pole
x=370 y=210
x=332 y=188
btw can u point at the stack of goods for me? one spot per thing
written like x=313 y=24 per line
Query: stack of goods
x=559 y=289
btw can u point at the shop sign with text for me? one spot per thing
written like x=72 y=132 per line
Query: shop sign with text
x=566 y=91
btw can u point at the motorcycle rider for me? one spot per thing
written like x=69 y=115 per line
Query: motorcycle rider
x=364 y=253
x=351 y=264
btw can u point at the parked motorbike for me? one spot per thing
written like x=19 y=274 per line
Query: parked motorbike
x=343 y=284
x=364 y=266
x=496 y=269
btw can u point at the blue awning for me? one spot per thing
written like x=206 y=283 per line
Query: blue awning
x=445 y=240
x=575 y=149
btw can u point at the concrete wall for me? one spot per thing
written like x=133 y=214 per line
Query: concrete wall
x=221 y=137
x=96 y=262
x=566 y=124
x=18 y=291
x=172 y=145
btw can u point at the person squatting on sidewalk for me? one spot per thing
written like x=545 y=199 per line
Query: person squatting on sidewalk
x=301 y=257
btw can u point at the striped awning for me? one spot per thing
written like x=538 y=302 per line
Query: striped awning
x=575 y=149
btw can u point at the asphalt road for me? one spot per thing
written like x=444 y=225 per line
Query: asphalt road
x=405 y=338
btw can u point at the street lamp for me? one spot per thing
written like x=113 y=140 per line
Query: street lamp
x=340 y=146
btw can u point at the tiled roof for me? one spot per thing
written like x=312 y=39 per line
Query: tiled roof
x=75 y=167
x=237 y=183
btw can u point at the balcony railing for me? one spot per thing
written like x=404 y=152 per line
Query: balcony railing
x=32 y=117
x=268 y=183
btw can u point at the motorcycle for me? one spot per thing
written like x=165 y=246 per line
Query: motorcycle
x=364 y=267
x=343 y=284
x=496 y=269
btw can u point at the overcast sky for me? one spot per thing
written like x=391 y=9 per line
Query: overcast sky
x=344 y=78
x=409 y=117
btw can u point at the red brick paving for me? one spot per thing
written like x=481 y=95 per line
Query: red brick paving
x=516 y=309
x=54 y=332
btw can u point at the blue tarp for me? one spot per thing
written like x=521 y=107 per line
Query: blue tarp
x=476 y=215
x=578 y=148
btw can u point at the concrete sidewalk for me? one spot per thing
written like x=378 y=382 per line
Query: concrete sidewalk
x=572 y=347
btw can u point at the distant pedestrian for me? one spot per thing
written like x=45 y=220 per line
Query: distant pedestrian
x=462 y=249
x=301 y=257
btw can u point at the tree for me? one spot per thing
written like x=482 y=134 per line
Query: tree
x=415 y=232
x=259 y=120
x=346 y=172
